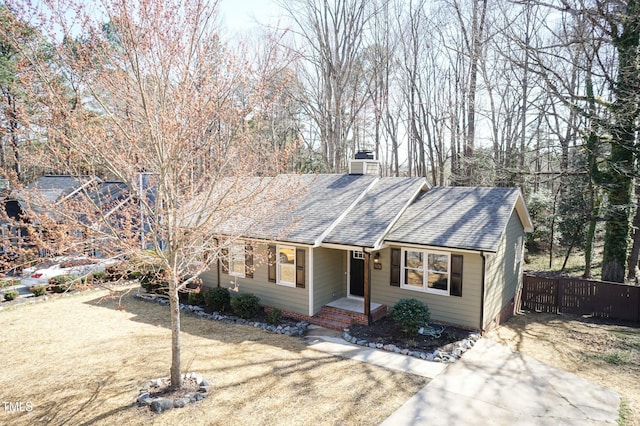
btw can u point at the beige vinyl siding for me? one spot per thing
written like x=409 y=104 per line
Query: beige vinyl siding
x=329 y=280
x=271 y=294
x=463 y=311
x=502 y=281
x=210 y=277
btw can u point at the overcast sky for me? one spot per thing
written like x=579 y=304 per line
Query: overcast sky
x=241 y=15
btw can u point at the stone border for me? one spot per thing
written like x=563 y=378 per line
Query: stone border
x=160 y=404
x=437 y=356
x=299 y=329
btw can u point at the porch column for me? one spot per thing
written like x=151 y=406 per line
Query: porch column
x=367 y=287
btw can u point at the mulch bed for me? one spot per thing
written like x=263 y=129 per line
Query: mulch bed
x=387 y=332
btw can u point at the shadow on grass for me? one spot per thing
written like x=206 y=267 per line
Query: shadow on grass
x=152 y=313
x=300 y=372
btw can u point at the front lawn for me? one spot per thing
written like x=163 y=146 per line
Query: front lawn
x=80 y=359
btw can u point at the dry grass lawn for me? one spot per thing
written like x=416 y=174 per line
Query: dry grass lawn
x=80 y=360
x=604 y=353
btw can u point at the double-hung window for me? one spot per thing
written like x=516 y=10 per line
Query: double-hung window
x=427 y=271
x=287 y=265
x=237 y=260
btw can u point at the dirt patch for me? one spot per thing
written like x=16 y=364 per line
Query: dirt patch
x=606 y=353
x=386 y=331
x=85 y=357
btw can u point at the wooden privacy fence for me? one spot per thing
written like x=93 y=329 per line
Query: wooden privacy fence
x=583 y=297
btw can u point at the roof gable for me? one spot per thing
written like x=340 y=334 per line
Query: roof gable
x=370 y=218
x=459 y=217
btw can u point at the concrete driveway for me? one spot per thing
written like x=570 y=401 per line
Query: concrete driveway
x=494 y=385
x=490 y=384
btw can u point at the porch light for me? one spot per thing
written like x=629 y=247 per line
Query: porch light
x=376 y=261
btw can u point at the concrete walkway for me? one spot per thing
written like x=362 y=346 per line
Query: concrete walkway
x=491 y=384
x=330 y=341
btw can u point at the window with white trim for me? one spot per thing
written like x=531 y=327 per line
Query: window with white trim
x=286 y=265
x=237 y=259
x=427 y=271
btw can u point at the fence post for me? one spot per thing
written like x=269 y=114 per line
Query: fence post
x=558 y=303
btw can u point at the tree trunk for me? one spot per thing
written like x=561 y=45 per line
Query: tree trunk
x=621 y=158
x=635 y=248
x=174 y=307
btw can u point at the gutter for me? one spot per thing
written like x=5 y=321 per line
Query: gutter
x=484 y=265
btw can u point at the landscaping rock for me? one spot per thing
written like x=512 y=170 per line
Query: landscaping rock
x=180 y=402
x=160 y=405
x=145 y=402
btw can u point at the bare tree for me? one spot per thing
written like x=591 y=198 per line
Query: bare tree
x=167 y=110
x=331 y=35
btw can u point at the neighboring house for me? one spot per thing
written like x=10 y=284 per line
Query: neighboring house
x=25 y=209
x=353 y=245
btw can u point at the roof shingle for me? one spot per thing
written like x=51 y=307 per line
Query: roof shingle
x=457 y=217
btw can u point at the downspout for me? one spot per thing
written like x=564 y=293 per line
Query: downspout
x=218 y=263
x=311 y=287
x=484 y=265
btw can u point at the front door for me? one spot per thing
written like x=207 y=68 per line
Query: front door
x=356 y=281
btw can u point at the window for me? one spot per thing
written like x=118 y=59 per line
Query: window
x=427 y=271
x=287 y=265
x=358 y=254
x=237 y=260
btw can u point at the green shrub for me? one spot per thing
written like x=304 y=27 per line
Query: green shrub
x=10 y=295
x=134 y=275
x=9 y=283
x=114 y=272
x=196 y=298
x=245 y=305
x=38 y=290
x=153 y=281
x=217 y=298
x=274 y=316
x=410 y=315
x=61 y=283
x=99 y=276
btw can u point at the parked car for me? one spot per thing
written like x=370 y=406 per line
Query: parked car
x=78 y=266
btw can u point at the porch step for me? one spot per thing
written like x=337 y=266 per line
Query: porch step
x=326 y=323
x=331 y=318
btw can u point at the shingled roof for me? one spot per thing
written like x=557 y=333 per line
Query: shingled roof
x=369 y=219
x=471 y=218
x=314 y=208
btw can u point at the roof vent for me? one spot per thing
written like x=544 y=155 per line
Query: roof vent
x=364 y=163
